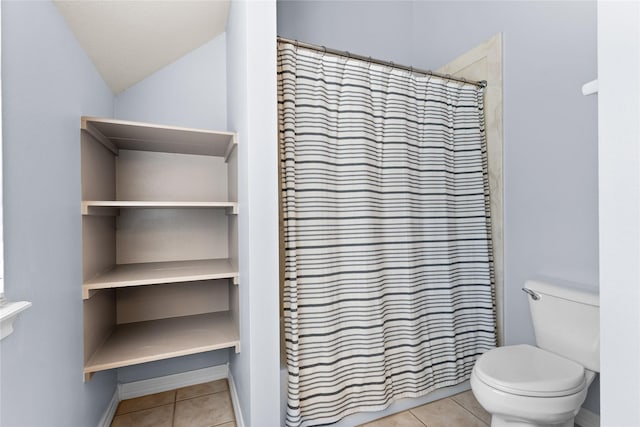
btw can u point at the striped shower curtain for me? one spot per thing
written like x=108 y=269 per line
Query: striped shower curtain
x=387 y=272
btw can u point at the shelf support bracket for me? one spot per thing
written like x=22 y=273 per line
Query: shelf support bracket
x=232 y=144
x=99 y=136
x=98 y=210
x=88 y=293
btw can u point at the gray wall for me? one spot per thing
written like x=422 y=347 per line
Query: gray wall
x=47 y=84
x=619 y=184
x=175 y=365
x=252 y=112
x=550 y=139
x=190 y=92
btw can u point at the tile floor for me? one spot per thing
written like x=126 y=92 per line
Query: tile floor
x=461 y=410
x=209 y=405
x=201 y=405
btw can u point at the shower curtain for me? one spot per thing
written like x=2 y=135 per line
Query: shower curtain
x=387 y=241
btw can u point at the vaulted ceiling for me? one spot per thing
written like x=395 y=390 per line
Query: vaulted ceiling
x=130 y=40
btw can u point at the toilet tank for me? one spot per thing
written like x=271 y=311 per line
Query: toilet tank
x=566 y=321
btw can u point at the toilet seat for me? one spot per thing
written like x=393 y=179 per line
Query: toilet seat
x=529 y=371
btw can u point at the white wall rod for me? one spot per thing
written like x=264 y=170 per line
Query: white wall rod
x=590 y=88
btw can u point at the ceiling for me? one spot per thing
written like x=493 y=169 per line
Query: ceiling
x=130 y=40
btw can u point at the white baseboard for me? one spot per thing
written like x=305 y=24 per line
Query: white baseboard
x=171 y=382
x=106 y=419
x=233 y=391
x=586 y=418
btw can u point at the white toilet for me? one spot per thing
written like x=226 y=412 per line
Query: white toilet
x=543 y=386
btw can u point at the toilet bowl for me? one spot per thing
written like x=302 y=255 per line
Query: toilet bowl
x=527 y=386
x=543 y=385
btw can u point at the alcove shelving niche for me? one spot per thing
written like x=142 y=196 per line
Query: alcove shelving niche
x=159 y=235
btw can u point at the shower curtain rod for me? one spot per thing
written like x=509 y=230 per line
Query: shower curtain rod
x=481 y=83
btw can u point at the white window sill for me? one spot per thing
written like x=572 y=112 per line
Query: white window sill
x=8 y=313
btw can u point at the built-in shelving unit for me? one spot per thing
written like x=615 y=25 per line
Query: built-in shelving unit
x=153 y=273
x=159 y=229
x=96 y=207
x=152 y=340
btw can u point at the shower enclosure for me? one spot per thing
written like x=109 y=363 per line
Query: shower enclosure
x=388 y=270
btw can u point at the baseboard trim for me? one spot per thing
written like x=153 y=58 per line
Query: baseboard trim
x=586 y=418
x=107 y=418
x=170 y=382
x=233 y=391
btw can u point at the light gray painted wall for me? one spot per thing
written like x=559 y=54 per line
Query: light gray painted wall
x=172 y=366
x=48 y=82
x=252 y=112
x=190 y=92
x=619 y=170
x=550 y=151
x=237 y=118
x=381 y=29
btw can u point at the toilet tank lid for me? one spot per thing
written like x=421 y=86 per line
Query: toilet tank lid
x=564 y=290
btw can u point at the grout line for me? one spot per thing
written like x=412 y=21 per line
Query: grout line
x=234 y=416
x=228 y=393
x=414 y=416
x=463 y=407
x=143 y=409
x=175 y=402
x=139 y=410
x=173 y=416
x=206 y=394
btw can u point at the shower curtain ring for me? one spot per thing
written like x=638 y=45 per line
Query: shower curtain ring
x=324 y=51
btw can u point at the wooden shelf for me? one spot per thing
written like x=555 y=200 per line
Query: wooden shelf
x=153 y=273
x=152 y=193
x=141 y=342
x=107 y=207
x=126 y=135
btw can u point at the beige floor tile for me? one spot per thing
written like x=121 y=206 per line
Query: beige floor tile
x=161 y=416
x=403 y=419
x=227 y=425
x=201 y=389
x=204 y=411
x=446 y=413
x=146 y=402
x=469 y=402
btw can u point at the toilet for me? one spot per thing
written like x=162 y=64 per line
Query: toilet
x=543 y=385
